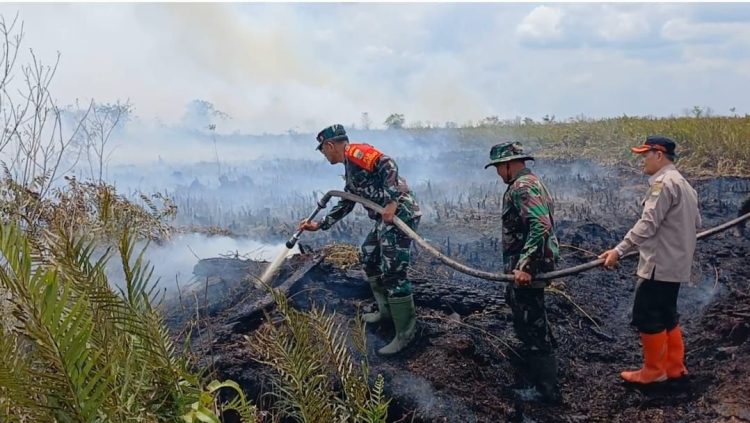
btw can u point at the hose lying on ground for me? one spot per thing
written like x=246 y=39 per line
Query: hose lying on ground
x=502 y=277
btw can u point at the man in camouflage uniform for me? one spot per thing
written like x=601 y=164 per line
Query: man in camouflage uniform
x=386 y=251
x=529 y=247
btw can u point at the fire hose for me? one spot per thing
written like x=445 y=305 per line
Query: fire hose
x=502 y=277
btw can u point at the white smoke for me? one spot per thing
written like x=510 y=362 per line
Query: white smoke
x=173 y=261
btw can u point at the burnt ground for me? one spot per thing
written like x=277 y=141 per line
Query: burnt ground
x=462 y=367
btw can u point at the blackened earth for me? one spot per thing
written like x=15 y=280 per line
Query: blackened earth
x=462 y=366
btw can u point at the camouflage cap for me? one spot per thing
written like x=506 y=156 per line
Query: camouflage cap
x=506 y=152
x=334 y=132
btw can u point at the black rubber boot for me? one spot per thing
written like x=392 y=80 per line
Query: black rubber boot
x=543 y=369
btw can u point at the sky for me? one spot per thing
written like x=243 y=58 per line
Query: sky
x=280 y=67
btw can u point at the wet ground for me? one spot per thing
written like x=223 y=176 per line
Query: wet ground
x=462 y=366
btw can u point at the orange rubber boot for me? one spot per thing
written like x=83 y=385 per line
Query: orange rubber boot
x=674 y=364
x=654 y=350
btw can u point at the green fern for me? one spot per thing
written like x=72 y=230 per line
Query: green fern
x=317 y=378
x=61 y=326
x=79 y=352
x=17 y=394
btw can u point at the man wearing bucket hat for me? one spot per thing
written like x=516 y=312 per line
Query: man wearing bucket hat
x=665 y=238
x=386 y=251
x=529 y=247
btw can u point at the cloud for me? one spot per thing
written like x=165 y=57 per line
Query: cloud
x=622 y=26
x=718 y=12
x=275 y=67
x=542 y=25
x=685 y=30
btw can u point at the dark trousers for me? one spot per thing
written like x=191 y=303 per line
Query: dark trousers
x=655 y=306
x=530 y=318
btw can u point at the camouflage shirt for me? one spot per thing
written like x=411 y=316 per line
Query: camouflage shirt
x=381 y=185
x=529 y=241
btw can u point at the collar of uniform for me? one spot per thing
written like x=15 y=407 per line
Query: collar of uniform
x=660 y=174
x=524 y=171
x=346 y=159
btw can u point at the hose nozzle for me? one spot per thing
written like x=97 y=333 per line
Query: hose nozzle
x=292 y=241
x=321 y=205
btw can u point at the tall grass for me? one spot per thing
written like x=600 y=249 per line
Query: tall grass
x=714 y=145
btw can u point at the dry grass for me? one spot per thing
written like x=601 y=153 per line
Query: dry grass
x=93 y=210
x=342 y=256
x=706 y=145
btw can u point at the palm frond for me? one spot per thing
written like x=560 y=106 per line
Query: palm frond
x=18 y=396
x=317 y=377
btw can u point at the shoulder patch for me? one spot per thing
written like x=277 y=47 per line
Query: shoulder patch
x=656 y=189
x=363 y=155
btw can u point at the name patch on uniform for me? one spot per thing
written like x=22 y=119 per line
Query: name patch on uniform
x=363 y=155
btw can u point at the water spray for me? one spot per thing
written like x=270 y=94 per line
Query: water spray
x=273 y=268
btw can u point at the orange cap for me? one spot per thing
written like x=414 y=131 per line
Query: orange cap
x=656 y=142
x=645 y=148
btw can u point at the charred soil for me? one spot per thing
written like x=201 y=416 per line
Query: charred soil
x=464 y=367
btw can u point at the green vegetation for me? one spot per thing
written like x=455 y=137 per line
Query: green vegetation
x=73 y=348
x=317 y=378
x=78 y=347
x=77 y=351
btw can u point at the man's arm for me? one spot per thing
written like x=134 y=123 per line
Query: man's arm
x=654 y=211
x=535 y=213
x=338 y=212
x=388 y=173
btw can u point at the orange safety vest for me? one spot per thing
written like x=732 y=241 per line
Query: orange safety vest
x=363 y=155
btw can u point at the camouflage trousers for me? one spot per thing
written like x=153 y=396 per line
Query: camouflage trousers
x=385 y=255
x=530 y=318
